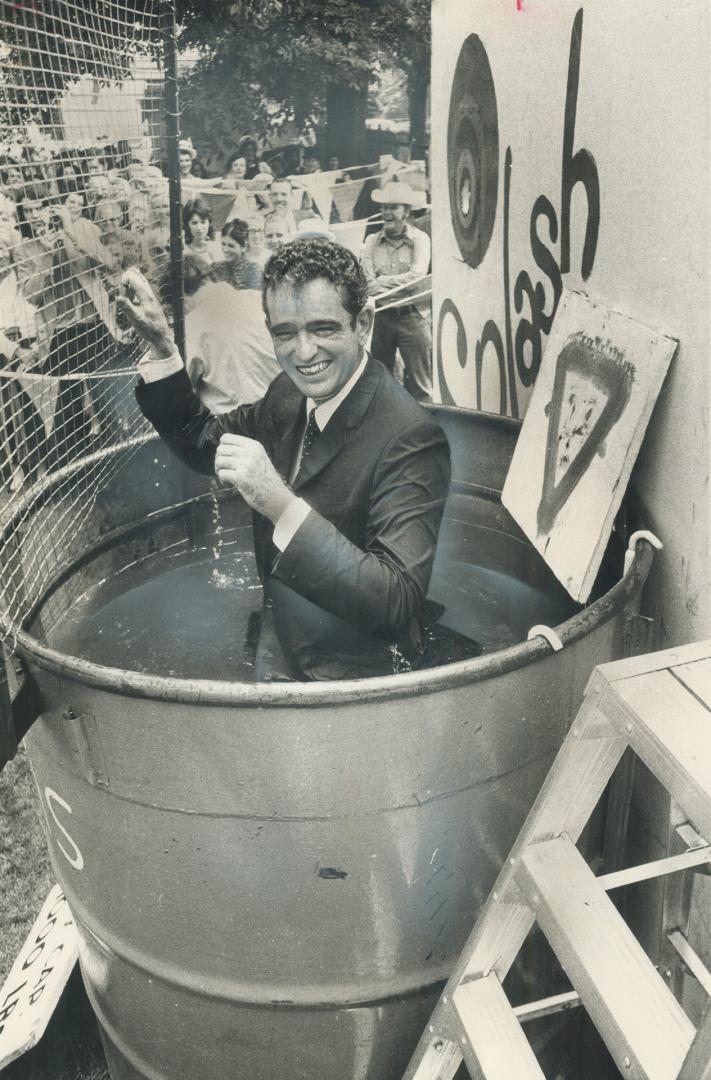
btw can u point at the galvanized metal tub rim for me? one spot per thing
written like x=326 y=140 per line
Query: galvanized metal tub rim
x=307 y=695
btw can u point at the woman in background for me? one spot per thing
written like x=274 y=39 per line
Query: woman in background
x=247 y=148
x=235 y=170
x=200 y=247
x=234 y=180
x=239 y=271
x=69 y=174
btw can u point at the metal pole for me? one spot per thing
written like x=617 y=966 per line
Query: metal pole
x=172 y=112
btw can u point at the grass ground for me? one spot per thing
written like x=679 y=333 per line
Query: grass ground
x=70 y=1048
x=25 y=876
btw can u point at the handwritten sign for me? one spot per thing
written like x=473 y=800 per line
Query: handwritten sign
x=37 y=978
x=518 y=216
x=599 y=379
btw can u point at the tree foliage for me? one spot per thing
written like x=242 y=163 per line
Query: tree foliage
x=265 y=61
x=48 y=44
x=261 y=62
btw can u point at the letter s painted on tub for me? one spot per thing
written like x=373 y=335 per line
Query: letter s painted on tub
x=76 y=859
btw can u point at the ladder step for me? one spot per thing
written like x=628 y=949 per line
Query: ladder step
x=494 y=1042
x=670 y=730
x=568 y=797
x=692 y=959
x=644 y=1027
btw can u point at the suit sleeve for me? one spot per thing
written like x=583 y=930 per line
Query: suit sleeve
x=381 y=588
x=186 y=426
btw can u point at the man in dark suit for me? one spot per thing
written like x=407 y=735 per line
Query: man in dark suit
x=346 y=474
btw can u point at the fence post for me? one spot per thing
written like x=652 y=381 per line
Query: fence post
x=172 y=109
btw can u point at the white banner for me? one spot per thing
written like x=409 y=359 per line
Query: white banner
x=351 y=234
x=319 y=187
x=345 y=196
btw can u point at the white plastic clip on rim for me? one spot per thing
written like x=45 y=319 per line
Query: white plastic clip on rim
x=545 y=632
x=641 y=534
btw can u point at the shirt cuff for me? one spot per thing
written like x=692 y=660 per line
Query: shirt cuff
x=289 y=522
x=151 y=369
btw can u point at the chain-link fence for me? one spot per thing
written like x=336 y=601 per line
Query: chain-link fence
x=83 y=196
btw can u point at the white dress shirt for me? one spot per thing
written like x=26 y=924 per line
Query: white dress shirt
x=298 y=510
x=152 y=369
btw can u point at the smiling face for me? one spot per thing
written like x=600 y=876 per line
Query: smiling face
x=314 y=338
x=108 y=217
x=160 y=208
x=281 y=195
x=275 y=233
x=394 y=217
x=74 y=204
x=231 y=249
x=98 y=186
x=139 y=212
x=186 y=162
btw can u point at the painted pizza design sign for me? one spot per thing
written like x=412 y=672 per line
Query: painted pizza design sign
x=583 y=429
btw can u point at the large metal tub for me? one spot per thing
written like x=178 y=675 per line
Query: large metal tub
x=272 y=881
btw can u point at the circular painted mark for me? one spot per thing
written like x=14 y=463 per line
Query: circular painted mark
x=473 y=151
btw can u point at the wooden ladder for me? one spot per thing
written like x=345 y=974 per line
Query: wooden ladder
x=660 y=706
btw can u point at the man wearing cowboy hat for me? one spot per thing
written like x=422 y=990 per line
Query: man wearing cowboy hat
x=399 y=255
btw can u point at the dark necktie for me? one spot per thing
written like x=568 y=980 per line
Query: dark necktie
x=311 y=434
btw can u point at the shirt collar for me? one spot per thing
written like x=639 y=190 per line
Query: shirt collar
x=405 y=237
x=324 y=411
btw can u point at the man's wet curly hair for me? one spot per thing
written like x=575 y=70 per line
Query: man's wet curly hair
x=301 y=261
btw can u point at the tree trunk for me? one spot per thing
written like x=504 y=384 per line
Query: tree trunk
x=346 y=108
x=418 y=84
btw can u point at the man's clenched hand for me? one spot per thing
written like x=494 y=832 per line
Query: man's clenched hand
x=244 y=463
x=141 y=307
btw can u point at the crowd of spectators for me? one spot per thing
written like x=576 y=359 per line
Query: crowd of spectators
x=73 y=219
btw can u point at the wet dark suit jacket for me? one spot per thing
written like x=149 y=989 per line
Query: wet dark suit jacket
x=353 y=579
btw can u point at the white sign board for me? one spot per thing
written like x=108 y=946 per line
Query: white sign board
x=37 y=978
x=599 y=379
